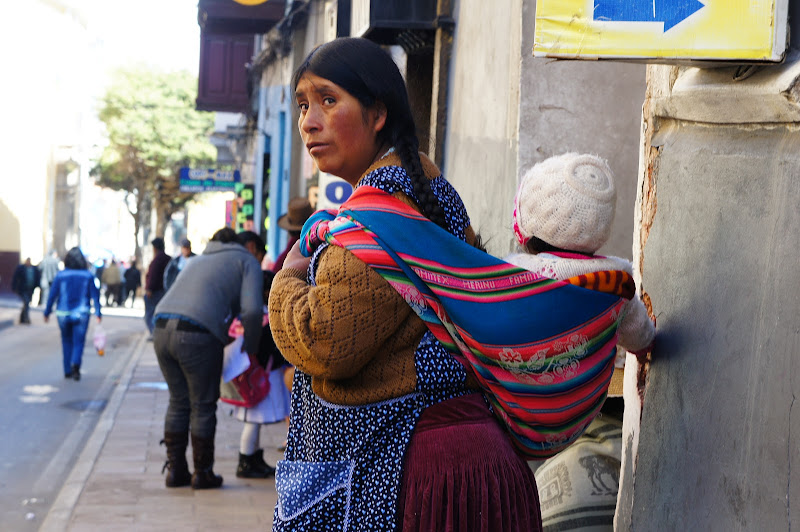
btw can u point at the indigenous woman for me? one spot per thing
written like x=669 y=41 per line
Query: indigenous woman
x=389 y=431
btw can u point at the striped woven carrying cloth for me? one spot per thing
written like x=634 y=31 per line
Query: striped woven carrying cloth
x=543 y=349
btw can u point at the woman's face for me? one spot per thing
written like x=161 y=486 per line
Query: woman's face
x=338 y=132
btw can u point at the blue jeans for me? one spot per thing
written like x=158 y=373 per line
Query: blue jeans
x=150 y=304
x=191 y=363
x=73 y=339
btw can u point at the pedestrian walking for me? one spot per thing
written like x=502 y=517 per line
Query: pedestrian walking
x=121 y=296
x=73 y=292
x=377 y=400
x=176 y=265
x=191 y=329
x=154 y=282
x=133 y=280
x=98 y=272
x=48 y=269
x=24 y=281
x=112 y=280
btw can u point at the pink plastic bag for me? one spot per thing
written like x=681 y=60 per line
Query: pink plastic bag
x=100 y=340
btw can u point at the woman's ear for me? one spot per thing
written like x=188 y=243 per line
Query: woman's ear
x=379 y=113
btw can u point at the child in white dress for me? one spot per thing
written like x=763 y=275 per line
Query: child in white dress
x=274 y=408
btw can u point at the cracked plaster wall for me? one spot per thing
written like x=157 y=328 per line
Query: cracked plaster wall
x=711 y=428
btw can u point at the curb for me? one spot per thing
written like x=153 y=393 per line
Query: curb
x=61 y=511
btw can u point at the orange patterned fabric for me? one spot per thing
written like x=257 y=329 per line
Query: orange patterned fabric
x=610 y=282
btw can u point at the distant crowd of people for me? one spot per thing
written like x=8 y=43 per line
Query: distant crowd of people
x=118 y=281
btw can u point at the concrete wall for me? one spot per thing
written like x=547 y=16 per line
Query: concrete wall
x=717 y=424
x=509 y=111
x=481 y=142
x=717 y=226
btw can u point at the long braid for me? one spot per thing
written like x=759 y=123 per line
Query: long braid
x=408 y=149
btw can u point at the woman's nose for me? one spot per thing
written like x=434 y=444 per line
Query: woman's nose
x=310 y=120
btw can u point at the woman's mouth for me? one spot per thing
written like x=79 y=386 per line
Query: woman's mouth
x=315 y=147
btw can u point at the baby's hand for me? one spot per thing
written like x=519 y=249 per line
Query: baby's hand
x=641 y=354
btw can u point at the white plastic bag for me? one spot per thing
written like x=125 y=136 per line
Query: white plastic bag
x=234 y=360
x=100 y=340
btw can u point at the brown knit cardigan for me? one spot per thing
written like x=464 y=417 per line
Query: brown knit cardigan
x=352 y=332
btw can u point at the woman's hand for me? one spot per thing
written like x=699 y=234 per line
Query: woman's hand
x=295 y=259
x=46 y=319
x=99 y=319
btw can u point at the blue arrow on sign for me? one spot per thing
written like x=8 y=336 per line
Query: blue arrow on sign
x=670 y=12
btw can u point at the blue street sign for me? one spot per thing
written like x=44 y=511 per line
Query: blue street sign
x=670 y=12
x=208 y=180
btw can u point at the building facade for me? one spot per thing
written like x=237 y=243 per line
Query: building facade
x=486 y=109
x=705 y=160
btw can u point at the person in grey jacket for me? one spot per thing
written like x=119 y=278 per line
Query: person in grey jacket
x=191 y=329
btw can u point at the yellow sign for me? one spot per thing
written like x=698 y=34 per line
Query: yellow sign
x=747 y=30
x=250 y=2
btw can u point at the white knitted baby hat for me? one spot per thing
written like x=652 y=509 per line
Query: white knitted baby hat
x=568 y=201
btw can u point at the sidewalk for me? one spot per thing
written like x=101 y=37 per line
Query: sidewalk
x=117 y=484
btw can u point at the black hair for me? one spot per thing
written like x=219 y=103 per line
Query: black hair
x=225 y=235
x=75 y=260
x=369 y=74
x=158 y=243
x=536 y=245
x=251 y=236
x=479 y=243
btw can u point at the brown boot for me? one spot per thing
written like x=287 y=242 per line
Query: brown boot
x=203 y=452
x=178 y=474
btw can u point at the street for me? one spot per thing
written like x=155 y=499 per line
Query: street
x=47 y=419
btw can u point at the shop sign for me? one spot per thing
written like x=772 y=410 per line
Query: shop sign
x=245 y=207
x=208 y=180
x=662 y=30
x=333 y=191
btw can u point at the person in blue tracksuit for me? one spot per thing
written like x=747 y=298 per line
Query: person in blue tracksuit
x=74 y=290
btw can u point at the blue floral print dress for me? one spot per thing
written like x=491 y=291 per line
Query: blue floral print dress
x=343 y=464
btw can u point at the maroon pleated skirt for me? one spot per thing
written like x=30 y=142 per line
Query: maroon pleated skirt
x=462 y=474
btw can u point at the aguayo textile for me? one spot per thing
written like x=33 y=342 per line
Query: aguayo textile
x=543 y=349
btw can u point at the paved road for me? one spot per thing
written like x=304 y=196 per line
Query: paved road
x=46 y=419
